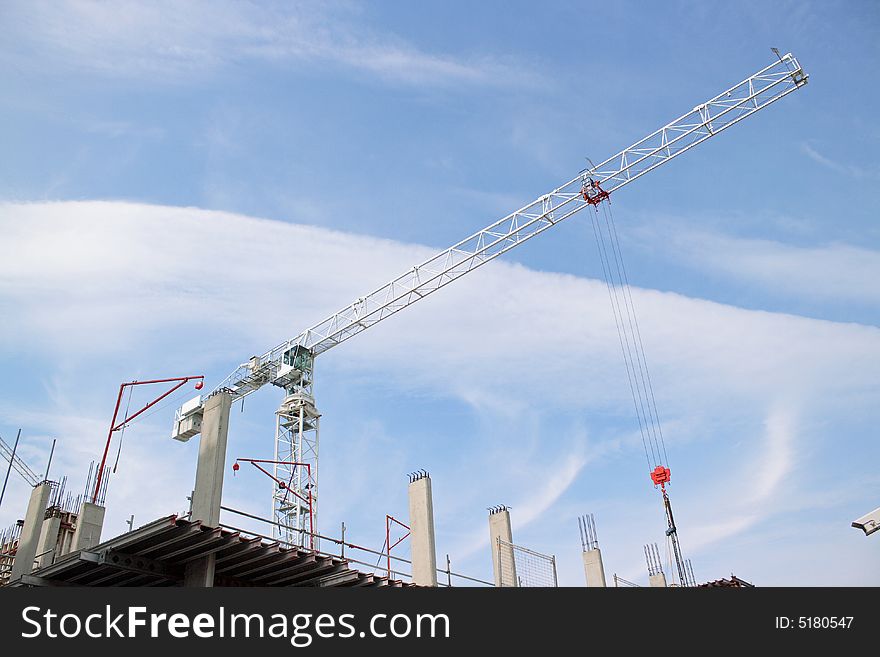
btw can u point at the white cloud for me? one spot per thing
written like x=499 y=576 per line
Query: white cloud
x=174 y=41
x=828 y=272
x=776 y=461
x=849 y=170
x=760 y=482
x=91 y=289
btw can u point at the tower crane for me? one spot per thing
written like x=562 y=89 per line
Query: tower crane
x=290 y=365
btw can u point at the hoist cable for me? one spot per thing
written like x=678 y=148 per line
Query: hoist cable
x=122 y=433
x=641 y=385
x=638 y=336
x=600 y=246
x=619 y=290
x=634 y=316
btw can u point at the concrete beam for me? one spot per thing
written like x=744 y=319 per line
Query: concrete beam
x=658 y=580
x=212 y=460
x=421 y=527
x=503 y=564
x=89 y=524
x=594 y=571
x=47 y=545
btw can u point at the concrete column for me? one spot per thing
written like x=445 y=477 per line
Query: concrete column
x=30 y=532
x=658 y=580
x=200 y=572
x=594 y=571
x=212 y=460
x=503 y=563
x=48 y=542
x=208 y=493
x=89 y=524
x=421 y=527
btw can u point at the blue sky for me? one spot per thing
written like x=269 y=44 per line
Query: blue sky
x=183 y=185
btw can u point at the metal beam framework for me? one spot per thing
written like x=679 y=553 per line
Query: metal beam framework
x=296 y=463
x=290 y=364
x=116 y=426
x=388 y=522
x=292 y=499
x=704 y=121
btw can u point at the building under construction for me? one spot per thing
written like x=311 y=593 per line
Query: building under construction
x=58 y=541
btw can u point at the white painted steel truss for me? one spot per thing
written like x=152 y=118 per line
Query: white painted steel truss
x=705 y=120
x=294 y=508
x=289 y=365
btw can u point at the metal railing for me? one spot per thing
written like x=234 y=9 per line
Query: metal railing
x=342 y=544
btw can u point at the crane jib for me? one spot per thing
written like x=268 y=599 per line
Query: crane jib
x=290 y=365
x=692 y=128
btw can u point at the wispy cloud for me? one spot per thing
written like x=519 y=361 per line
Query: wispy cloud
x=830 y=272
x=777 y=459
x=176 y=41
x=761 y=483
x=118 y=129
x=851 y=170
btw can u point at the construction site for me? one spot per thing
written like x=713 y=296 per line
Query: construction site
x=60 y=538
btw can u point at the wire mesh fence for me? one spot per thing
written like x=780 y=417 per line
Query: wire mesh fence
x=520 y=566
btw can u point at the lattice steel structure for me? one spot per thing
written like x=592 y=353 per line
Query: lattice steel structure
x=523 y=567
x=296 y=442
x=289 y=365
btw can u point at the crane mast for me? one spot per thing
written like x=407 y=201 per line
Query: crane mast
x=290 y=365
